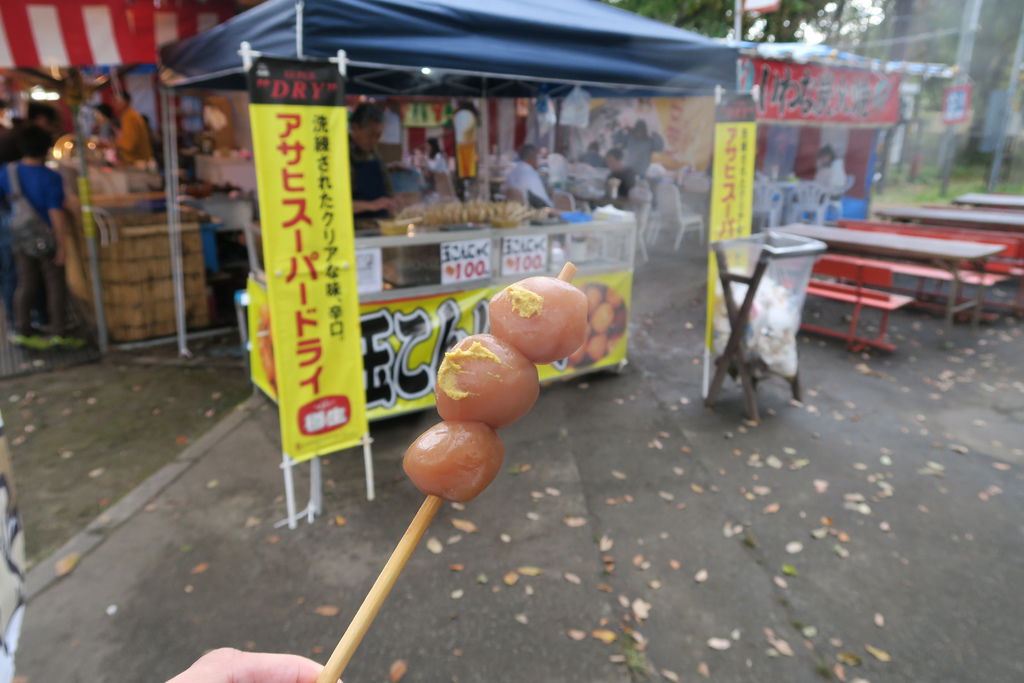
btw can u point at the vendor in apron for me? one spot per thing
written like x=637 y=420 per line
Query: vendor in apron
x=371 y=187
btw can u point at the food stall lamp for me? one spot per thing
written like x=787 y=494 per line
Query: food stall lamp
x=425 y=70
x=44 y=95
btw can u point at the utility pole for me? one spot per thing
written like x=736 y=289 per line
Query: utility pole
x=968 y=30
x=1011 y=98
x=903 y=10
x=737 y=20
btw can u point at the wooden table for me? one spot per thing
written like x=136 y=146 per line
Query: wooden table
x=992 y=201
x=946 y=254
x=957 y=217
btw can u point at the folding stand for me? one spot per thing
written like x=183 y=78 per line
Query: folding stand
x=315 y=505
x=733 y=359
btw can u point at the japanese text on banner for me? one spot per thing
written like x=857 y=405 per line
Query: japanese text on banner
x=299 y=129
x=732 y=182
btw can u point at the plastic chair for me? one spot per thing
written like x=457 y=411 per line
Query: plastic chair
x=563 y=200
x=768 y=201
x=641 y=198
x=514 y=194
x=671 y=210
x=808 y=204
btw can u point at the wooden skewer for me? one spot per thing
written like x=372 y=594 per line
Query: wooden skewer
x=379 y=592
x=373 y=601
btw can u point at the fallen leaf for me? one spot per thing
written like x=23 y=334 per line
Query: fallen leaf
x=703 y=670
x=778 y=643
x=250 y=522
x=879 y=620
x=666 y=495
x=719 y=643
x=327 y=611
x=572 y=578
x=605 y=544
x=96 y=472
x=655 y=443
x=780 y=582
x=212 y=484
x=641 y=609
x=457 y=593
x=880 y=655
x=481 y=578
x=701 y=576
x=604 y=635
x=273 y=539
x=849 y=658
x=530 y=571
x=181 y=440
x=696 y=488
x=576 y=634
x=339 y=520
x=789 y=570
x=464 y=525
x=604 y=587
x=820 y=485
x=456 y=567
x=771 y=509
x=397 y=670
x=841 y=551
x=618 y=475
x=200 y=568
x=510 y=578
x=434 y=545
x=66 y=564
x=670 y=675
x=574 y=521
x=773 y=462
x=793 y=547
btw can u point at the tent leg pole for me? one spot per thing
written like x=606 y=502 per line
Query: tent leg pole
x=89 y=228
x=174 y=218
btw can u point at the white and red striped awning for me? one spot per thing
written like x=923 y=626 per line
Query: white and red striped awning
x=44 y=33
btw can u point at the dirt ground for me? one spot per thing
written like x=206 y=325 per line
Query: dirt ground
x=85 y=436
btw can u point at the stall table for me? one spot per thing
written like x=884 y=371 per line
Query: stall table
x=963 y=217
x=992 y=201
x=946 y=254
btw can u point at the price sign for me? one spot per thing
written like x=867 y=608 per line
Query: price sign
x=524 y=254
x=465 y=260
x=369 y=272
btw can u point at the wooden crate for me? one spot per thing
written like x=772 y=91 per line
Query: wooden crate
x=138 y=290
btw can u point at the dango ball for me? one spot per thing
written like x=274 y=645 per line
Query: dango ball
x=486 y=379
x=454 y=460
x=543 y=317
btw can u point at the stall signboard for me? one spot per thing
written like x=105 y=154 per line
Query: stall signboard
x=300 y=143
x=732 y=184
x=524 y=255
x=465 y=260
x=433 y=114
x=956 y=105
x=821 y=94
x=404 y=340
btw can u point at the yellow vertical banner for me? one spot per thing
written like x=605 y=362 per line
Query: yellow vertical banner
x=732 y=184
x=300 y=144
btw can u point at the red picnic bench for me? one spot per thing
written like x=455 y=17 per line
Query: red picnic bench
x=856 y=280
x=1009 y=263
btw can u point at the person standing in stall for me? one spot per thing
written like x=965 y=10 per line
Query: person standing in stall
x=134 y=144
x=372 y=195
x=36 y=197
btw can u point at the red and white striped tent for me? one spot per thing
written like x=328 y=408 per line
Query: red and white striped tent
x=44 y=33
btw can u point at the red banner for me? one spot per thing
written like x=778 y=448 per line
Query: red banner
x=816 y=93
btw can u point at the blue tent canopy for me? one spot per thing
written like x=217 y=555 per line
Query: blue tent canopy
x=499 y=47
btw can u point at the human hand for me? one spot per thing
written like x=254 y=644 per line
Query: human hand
x=227 y=665
x=59 y=256
x=383 y=204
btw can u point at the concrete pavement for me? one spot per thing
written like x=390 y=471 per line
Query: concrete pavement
x=883 y=512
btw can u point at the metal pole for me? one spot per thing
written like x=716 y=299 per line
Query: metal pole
x=89 y=228
x=737 y=20
x=1011 y=98
x=968 y=30
x=170 y=130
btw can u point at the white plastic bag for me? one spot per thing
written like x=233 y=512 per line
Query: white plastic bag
x=576 y=108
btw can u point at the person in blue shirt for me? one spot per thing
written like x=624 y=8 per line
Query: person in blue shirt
x=45 y=193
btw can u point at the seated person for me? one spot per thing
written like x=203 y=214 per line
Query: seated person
x=830 y=173
x=624 y=174
x=593 y=156
x=524 y=177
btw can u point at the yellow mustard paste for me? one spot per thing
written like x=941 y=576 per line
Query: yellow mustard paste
x=448 y=375
x=524 y=302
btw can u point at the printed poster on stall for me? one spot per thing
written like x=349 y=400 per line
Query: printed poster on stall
x=405 y=339
x=300 y=143
x=261 y=342
x=732 y=188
